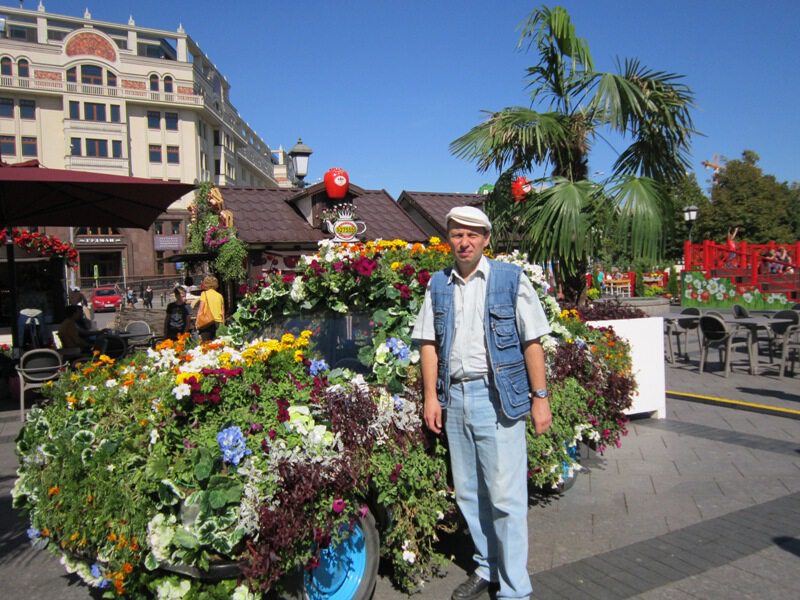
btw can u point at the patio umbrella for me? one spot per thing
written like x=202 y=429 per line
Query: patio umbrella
x=34 y=195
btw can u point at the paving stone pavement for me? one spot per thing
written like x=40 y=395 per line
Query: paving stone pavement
x=704 y=504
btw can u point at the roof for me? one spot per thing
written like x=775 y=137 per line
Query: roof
x=434 y=206
x=269 y=216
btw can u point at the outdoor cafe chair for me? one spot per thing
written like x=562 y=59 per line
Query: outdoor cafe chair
x=717 y=334
x=112 y=346
x=37 y=367
x=680 y=328
x=785 y=337
x=139 y=334
x=740 y=312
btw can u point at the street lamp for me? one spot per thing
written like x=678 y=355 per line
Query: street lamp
x=690 y=216
x=299 y=155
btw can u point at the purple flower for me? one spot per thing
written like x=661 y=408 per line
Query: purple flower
x=232 y=443
x=338 y=505
x=318 y=366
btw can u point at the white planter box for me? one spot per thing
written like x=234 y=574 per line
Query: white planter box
x=646 y=337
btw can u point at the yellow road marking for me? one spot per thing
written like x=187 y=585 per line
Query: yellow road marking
x=737 y=403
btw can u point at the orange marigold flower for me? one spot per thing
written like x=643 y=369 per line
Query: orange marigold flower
x=53 y=491
x=45 y=532
x=74 y=536
x=127 y=568
x=112 y=537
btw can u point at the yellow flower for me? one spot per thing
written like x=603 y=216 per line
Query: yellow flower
x=106 y=360
x=396 y=265
x=287 y=339
x=306 y=333
x=184 y=375
x=298 y=356
x=434 y=241
x=71 y=400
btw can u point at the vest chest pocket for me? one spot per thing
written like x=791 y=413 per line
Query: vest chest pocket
x=439 y=322
x=503 y=324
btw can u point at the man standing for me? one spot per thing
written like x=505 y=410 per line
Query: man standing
x=479 y=331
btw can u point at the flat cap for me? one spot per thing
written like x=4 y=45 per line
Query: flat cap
x=470 y=216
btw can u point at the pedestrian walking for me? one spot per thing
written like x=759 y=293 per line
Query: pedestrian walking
x=148 y=297
x=483 y=372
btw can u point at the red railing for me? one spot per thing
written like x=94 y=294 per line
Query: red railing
x=747 y=265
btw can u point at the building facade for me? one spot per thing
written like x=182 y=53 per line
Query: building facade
x=76 y=93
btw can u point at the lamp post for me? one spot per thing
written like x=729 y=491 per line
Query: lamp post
x=299 y=156
x=690 y=216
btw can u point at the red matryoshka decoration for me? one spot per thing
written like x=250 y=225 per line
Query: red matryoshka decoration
x=520 y=188
x=337 y=183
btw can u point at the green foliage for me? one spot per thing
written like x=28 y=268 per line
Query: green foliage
x=593 y=293
x=570 y=218
x=742 y=195
x=673 y=284
x=638 y=284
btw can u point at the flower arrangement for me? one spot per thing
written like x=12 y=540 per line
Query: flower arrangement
x=253 y=450
x=42 y=244
x=723 y=292
x=190 y=455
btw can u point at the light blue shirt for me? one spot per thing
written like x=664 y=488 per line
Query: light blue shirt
x=469 y=358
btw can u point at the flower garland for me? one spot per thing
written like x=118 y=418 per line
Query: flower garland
x=42 y=244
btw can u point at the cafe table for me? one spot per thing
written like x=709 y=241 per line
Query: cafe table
x=753 y=324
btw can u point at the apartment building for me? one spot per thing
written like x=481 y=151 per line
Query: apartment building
x=77 y=93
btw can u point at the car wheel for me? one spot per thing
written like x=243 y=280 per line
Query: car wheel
x=347 y=570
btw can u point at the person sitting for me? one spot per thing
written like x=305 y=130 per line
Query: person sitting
x=768 y=262
x=178 y=317
x=784 y=262
x=74 y=339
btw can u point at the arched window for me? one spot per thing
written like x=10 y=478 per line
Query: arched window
x=91 y=75
x=5 y=66
x=167 y=84
x=153 y=83
x=23 y=68
x=72 y=75
x=111 y=79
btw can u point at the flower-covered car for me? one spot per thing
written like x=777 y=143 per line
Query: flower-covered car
x=261 y=461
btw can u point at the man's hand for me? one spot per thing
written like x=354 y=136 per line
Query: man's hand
x=540 y=413
x=433 y=415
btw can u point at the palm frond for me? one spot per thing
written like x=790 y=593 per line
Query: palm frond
x=639 y=204
x=515 y=136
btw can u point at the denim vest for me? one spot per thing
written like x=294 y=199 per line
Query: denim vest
x=506 y=360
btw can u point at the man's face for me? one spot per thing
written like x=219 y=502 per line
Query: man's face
x=468 y=244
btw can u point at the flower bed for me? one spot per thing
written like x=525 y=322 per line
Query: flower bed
x=253 y=450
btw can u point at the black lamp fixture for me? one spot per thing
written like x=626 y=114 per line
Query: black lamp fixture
x=299 y=155
x=690 y=216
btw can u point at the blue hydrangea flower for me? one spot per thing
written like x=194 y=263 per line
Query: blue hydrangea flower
x=398 y=401
x=403 y=352
x=392 y=344
x=579 y=343
x=98 y=573
x=318 y=366
x=33 y=533
x=232 y=443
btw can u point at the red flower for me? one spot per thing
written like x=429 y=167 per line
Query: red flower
x=338 y=505
x=289 y=277
x=365 y=266
x=424 y=277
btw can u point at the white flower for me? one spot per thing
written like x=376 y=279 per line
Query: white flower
x=181 y=391
x=243 y=593
x=160 y=531
x=409 y=556
x=153 y=436
x=298 y=292
x=747 y=297
x=111 y=383
x=720 y=296
x=110 y=468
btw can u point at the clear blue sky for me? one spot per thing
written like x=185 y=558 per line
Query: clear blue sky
x=380 y=88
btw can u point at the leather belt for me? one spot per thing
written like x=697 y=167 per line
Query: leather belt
x=454 y=381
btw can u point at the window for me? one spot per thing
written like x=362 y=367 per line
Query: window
x=217 y=167
x=23 y=68
x=155 y=153
x=153 y=119
x=7 y=108
x=111 y=79
x=168 y=84
x=8 y=145
x=115 y=113
x=91 y=75
x=29 y=146
x=94 y=112
x=171 y=121
x=173 y=155
x=72 y=75
x=116 y=148
x=153 y=83
x=5 y=66
x=97 y=148
x=159 y=262
x=159 y=227
x=74 y=110
x=216 y=137
x=75 y=146
x=176 y=227
x=27 y=109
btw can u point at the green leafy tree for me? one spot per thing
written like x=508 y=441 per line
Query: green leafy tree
x=684 y=192
x=567 y=217
x=743 y=196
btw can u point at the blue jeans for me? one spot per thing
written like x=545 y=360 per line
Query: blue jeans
x=489 y=461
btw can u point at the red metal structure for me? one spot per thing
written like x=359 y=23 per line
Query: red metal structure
x=747 y=265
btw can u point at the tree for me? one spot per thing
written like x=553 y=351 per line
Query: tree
x=683 y=193
x=758 y=204
x=567 y=215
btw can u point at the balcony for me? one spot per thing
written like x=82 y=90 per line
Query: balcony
x=82 y=127
x=113 y=166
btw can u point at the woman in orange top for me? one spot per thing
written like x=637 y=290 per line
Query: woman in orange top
x=211 y=298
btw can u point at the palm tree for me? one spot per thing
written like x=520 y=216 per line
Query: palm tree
x=567 y=215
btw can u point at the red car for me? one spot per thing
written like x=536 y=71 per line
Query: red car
x=106 y=298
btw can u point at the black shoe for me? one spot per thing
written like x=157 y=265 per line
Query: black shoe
x=474 y=587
